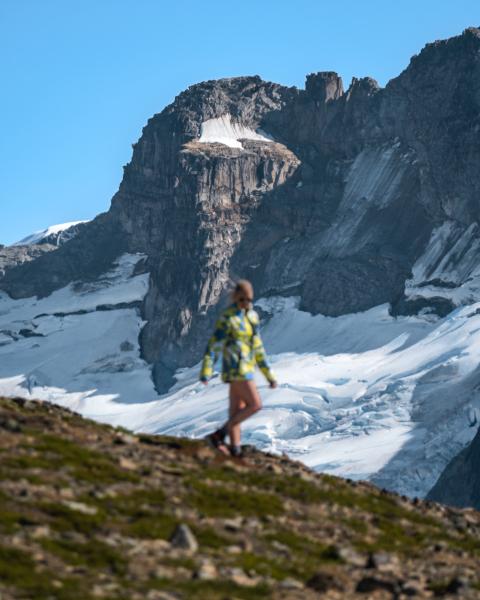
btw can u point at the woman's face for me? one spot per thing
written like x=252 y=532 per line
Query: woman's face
x=244 y=300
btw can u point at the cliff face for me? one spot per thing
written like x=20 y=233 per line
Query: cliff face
x=459 y=484
x=335 y=196
x=12 y=256
x=186 y=203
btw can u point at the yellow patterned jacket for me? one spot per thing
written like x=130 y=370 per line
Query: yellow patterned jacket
x=236 y=334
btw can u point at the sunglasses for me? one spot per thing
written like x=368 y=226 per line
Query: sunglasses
x=243 y=299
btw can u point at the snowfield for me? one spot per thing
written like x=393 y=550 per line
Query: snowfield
x=365 y=395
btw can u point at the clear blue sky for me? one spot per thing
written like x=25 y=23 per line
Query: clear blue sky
x=81 y=78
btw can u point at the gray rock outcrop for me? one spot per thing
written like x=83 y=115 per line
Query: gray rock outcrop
x=13 y=256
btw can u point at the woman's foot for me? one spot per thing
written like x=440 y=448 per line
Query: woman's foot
x=236 y=451
x=217 y=441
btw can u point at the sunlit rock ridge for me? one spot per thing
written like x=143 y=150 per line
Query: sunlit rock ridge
x=355 y=210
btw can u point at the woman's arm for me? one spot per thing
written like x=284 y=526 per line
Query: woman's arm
x=262 y=360
x=213 y=348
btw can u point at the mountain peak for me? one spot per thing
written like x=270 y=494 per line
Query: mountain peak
x=54 y=234
x=324 y=86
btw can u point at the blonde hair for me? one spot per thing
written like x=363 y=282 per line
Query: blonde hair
x=243 y=287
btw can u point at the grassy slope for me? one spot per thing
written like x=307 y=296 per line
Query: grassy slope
x=86 y=511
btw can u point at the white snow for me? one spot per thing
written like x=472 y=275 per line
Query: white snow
x=223 y=130
x=39 y=235
x=362 y=395
x=79 y=355
x=394 y=411
x=452 y=259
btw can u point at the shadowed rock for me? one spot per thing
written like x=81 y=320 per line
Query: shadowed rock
x=459 y=484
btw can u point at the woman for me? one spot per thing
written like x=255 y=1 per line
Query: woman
x=236 y=333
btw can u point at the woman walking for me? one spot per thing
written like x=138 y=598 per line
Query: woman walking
x=236 y=334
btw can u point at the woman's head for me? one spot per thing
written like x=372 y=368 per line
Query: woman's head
x=242 y=293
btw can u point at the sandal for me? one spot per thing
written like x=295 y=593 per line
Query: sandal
x=217 y=441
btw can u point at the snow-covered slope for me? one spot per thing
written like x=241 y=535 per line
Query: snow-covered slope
x=81 y=342
x=54 y=231
x=363 y=395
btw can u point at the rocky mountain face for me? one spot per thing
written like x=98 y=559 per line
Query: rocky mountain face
x=83 y=258
x=35 y=245
x=13 y=256
x=348 y=199
x=459 y=484
x=90 y=511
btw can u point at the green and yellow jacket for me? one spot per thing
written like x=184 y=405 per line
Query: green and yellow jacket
x=236 y=334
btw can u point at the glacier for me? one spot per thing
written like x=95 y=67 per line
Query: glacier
x=365 y=395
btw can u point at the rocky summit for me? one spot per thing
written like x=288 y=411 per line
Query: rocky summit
x=91 y=511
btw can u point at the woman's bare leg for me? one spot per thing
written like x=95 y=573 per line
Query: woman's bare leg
x=247 y=390
x=236 y=405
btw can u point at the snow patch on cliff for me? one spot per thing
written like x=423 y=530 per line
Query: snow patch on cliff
x=38 y=236
x=223 y=130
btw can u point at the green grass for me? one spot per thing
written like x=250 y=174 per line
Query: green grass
x=85 y=464
x=220 y=501
x=11 y=520
x=393 y=537
x=327 y=490
x=467 y=543
x=263 y=565
x=62 y=518
x=11 y=470
x=300 y=567
x=208 y=537
x=53 y=453
x=185 y=562
x=356 y=525
x=93 y=554
x=396 y=527
x=130 y=503
x=17 y=569
x=442 y=588
x=150 y=526
x=27 y=461
x=306 y=554
x=211 y=590
x=139 y=513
